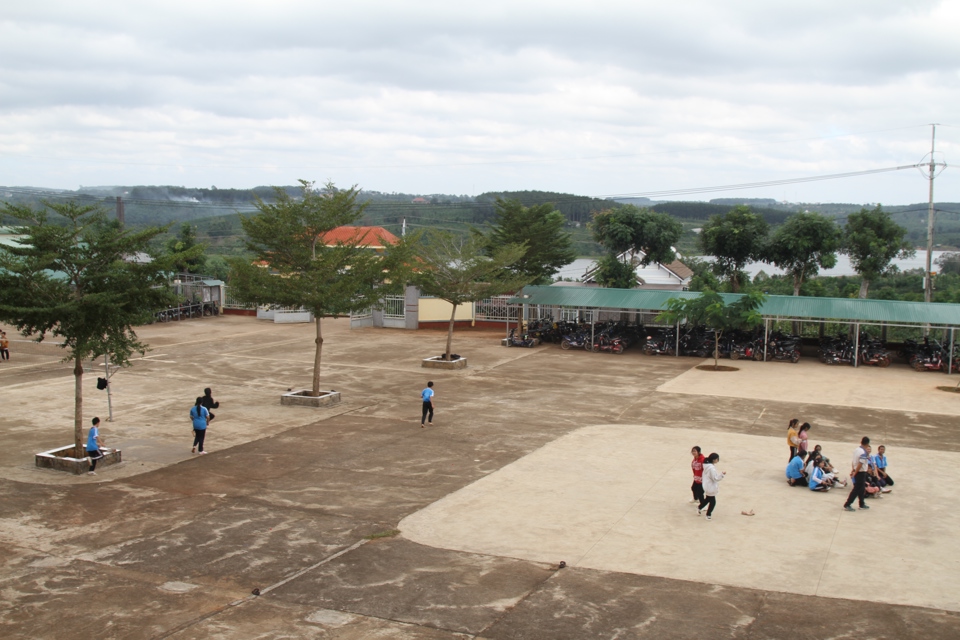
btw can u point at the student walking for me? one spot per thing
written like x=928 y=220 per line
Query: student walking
x=209 y=403
x=94 y=442
x=711 y=485
x=427 y=397
x=4 y=346
x=859 y=468
x=697 y=466
x=199 y=415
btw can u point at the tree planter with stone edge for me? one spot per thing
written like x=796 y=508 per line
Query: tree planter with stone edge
x=305 y=398
x=438 y=362
x=62 y=459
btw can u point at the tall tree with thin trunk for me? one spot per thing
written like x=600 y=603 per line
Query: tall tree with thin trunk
x=457 y=269
x=804 y=244
x=734 y=239
x=631 y=228
x=295 y=267
x=78 y=276
x=873 y=240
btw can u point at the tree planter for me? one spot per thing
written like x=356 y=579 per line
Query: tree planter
x=62 y=460
x=304 y=399
x=437 y=362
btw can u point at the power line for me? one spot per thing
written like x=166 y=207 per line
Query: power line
x=754 y=185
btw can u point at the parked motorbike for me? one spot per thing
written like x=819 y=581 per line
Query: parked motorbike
x=523 y=341
x=575 y=341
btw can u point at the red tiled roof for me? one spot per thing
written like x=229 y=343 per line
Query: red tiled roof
x=374 y=237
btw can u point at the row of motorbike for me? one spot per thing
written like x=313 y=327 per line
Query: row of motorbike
x=617 y=336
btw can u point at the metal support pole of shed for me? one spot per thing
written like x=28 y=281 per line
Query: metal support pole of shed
x=950 y=364
x=766 y=337
x=591 y=329
x=856 y=345
x=106 y=374
x=676 y=347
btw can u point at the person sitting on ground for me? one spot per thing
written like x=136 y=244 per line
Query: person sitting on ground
x=795 y=477
x=818 y=480
x=829 y=472
x=880 y=463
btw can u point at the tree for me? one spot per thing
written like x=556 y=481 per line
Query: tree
x=734 y=239
x=873 y=240
x=710 y=309
x=295 y=267
x=541 y=229
x=183 y=242
x=456 y=269
x=949 y=263
x=83 y=278
x=630 y=228
x=804 y=244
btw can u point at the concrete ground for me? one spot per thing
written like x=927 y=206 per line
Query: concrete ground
x=304 y=505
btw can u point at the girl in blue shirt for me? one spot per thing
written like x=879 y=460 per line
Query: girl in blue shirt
x=199 y=415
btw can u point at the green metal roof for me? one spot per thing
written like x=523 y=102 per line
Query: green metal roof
x=799 y=307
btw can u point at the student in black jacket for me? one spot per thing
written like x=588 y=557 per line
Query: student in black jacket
x=209 y=403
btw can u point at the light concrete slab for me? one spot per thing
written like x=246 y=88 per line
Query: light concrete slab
x=614 y=497
x=897 y=387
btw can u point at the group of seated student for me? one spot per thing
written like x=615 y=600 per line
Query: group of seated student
x=815 y=472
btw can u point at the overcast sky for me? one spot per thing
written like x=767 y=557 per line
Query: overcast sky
x=593 y=98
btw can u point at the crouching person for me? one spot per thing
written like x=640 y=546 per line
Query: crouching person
x=795 y=477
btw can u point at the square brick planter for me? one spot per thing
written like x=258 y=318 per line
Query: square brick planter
x=437 y=362
x=62 y=460
x=303 y=399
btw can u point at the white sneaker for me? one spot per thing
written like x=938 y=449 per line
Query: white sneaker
x=694 y=501
x=886 y=490
x=700 y=512
x=91 y=473
x=709 y=517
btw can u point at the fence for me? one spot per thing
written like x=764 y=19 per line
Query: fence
x=394 y=307
x=495 y=308
x=231 y=302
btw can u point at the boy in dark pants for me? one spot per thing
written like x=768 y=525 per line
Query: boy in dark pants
x=93 y=446
x=861 y=464
x=427 y=396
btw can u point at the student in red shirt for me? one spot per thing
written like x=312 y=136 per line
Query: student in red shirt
x=697 y=466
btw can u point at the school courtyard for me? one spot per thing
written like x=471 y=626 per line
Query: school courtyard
x=352 y=522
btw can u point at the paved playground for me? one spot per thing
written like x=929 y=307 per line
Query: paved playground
x=352 y=522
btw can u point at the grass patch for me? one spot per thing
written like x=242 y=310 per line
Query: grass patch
x=389 y=533
x=953 y=389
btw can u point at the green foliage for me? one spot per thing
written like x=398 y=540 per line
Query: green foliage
x=735 y=238
x=614 y=273
x=294 y=267
x=184 y=241
x=632 y=228
x=458 y=269
x=540 y=228
x=703 y=276
x=82 y=278
x=806 y=243
x=710 y=309
x=949 y=263
x=873 y=241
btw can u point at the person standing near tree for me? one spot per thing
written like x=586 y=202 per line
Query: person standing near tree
x=199 y=416
x=427 y=397
x=4 y=346
x=94 y=442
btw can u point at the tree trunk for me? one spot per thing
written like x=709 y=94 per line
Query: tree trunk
x=735 y=282
x=797 y=281
x=78 y=408
x=864 y=287
x=316 y=359
x=453 y=315
x=716 y=349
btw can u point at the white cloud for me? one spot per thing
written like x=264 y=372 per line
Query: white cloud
x=593 y=98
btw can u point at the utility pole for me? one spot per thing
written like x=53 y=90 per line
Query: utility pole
x=403 y=229
x=120 y=213
x=931 y=170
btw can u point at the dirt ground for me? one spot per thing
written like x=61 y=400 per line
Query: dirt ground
x=304 y=505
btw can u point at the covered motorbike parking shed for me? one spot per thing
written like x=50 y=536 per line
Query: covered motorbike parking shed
x=589 y=301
